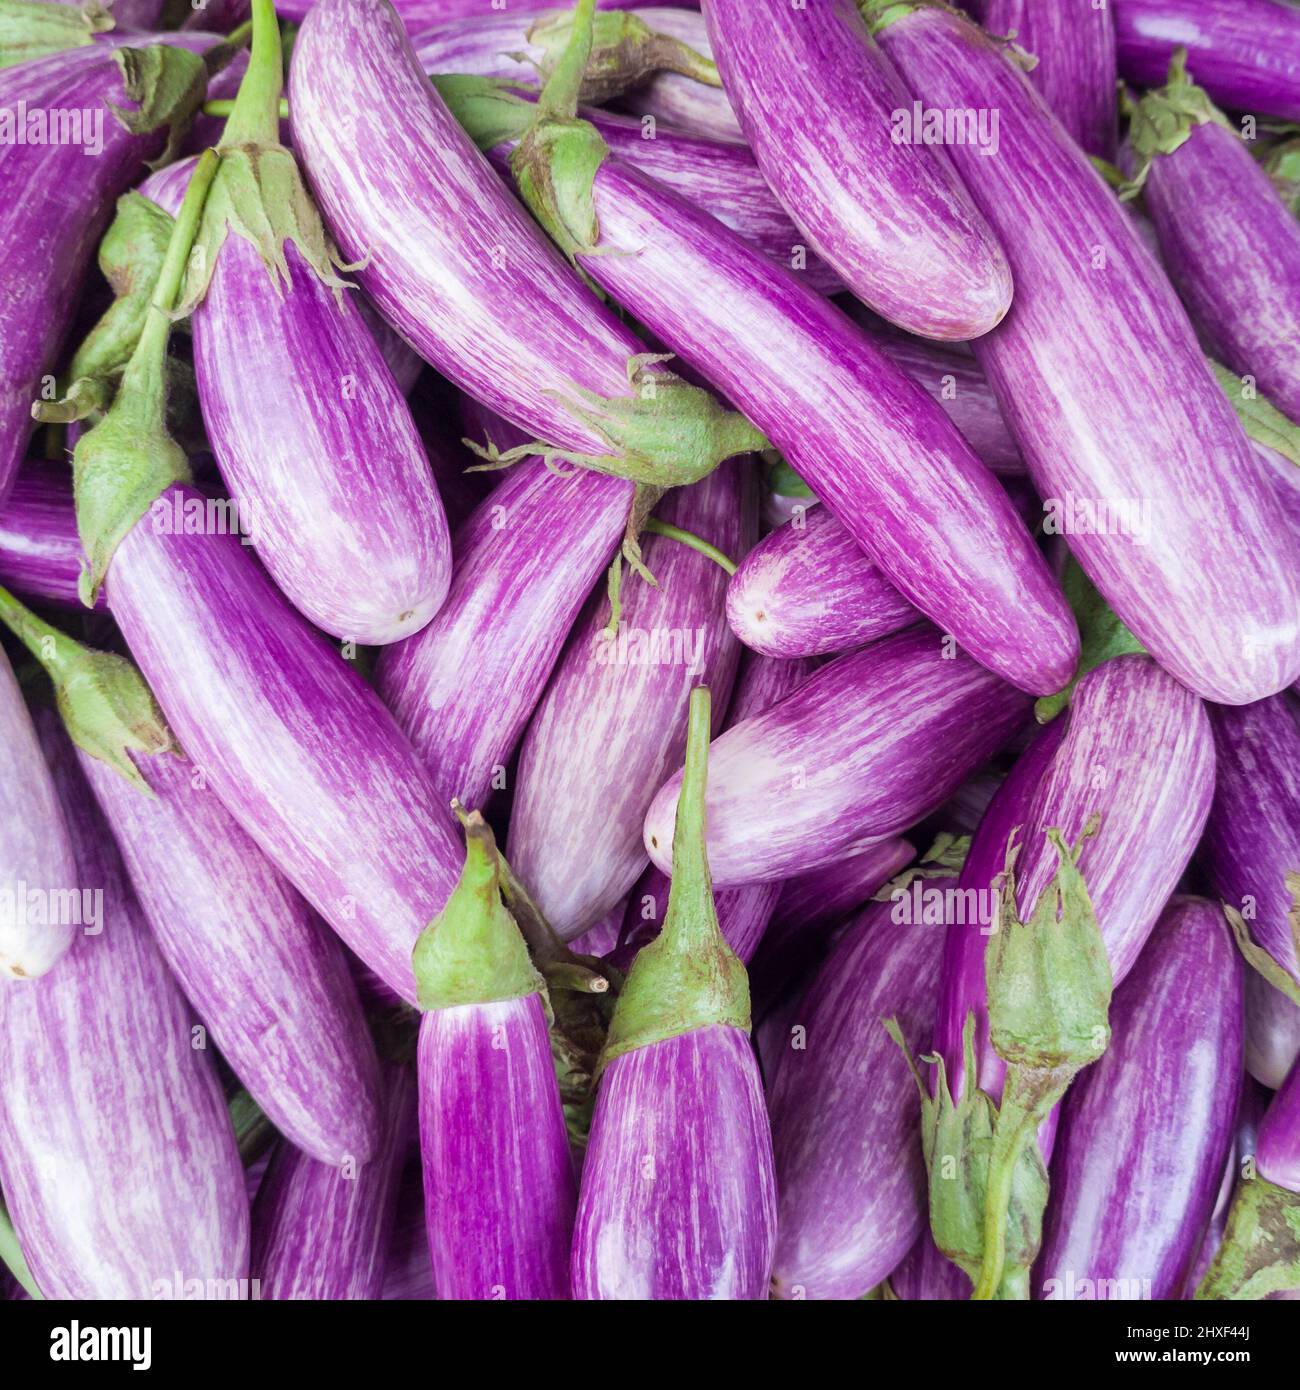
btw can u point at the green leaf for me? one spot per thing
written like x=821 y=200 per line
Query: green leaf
x=1260 y=1253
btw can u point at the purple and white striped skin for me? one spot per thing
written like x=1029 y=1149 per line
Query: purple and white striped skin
x=1232 y=248
x=678 y=1195
x=1074 y=43
x=499 y=1189
x=409 y=1274
x=40 y=551
x=419 y=15
x=301 y=750
x=869 y=443
x=1083 y=366
x=35 y=851
x=271 y=983
x=1278 y=1147
x=846 y=1117
x=117 y=1156
x=926 y=1274
x=891 y=217
x=676 y=100
x=524 y=562
x=1272 y=1032
x=867 y=746
x=321 y=1231
x=313 y=437
x=504 y=318
x=1096 y=759
x=807 y=590
x=1245 y=53
x=1146 y=1131
x=612 y=723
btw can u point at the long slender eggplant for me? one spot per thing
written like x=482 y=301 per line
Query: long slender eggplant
x=323 y=1231
x=117 y=1155
x=40 y=551
x=1146 y=1131
x=1141 y=479
x=1074 y=44
x=678 y=1197
x=861 y=750
x=874 y=199
x=575 y=827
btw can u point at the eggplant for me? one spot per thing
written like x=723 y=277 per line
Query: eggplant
x=1272 y=1032
x=678 y=1196
x=323 y=1230
x=924 y=1274
x=1076 y=72
x=117 y=1155
x=40 y=551
x=1245 y=53
x=875 y=201
x=1146 y=1131
x=1230 y=244
x=499 y=1190
x=575 y=826
x=1141 y=479
x=865 y=747
x=465 y=686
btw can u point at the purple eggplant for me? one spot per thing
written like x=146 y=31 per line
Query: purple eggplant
x=40 y=551
x=678 y=1197
x=465 y=687
x=1245 y=53
x=117 y=1155
x=1111 y=450
x=924 y=1274
x=1076 y=74
x=409 y=1273
x=265 y=975
x=321 y=1230
x=505 y=318
x=807 y=590
x=575 y=827
x=875 y=201
x=864 y=748
x=1146 y=1131
x=1230 y=244
x=499 y=1189
x=1272 y=1032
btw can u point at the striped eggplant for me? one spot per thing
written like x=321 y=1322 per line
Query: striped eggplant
x=1141 y=479
x=300 y=749
x=867 y=746
x=807 y=590
x=846 y=1118
x=874 y=199
x=678 y=1196
x=117 y=1155
x=499 y=1189
x=925 y=1274
x=525 y=560
x=575 y=827
x=680 y=102
x=1076 y=74
x=1245 y=53
x=1146 y=1131
x=1272 y=1032
x=1230 y=244
x=419 y=15
x=40 y=551
x=504 y=318
x=37 y=868
x=323 y=1231
x=266 y=977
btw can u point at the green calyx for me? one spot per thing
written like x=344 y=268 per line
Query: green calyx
x=489 y=110
x=103 y=700
x=1165 y=118
x=784 y=481
x=1259 y=417
x=555 y=167
x=1282 y=164
x=168 y=85
x=1101 y=636
x=944 y=859
x=472 y=952
x=687 y=977
x=880 y=14
x=1261 y=960
x=1260 y=1253
x=35 y=28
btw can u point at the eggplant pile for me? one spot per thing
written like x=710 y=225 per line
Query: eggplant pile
x=650 y=651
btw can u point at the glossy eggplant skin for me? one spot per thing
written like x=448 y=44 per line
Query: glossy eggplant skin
x=303 y=753
x=846 y=1118
x=1272 y=1032
x=863 y=749
x=1245 y=53
x=1141 y=479
x=890 y=215
x=1146 y=1131
x=678 y=1196
x=117 y=1156
x=1232 y=248
x=40 y=551
x=1278 y=1148
x=499 y=1189
x=267 y=977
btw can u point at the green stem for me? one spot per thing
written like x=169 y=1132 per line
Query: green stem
x=12 y=1254
x=240 y=35
x=255 y=119
x=31 y=631
x=692 y=881
x=559 y=98
x=655 y=527
x=225 y=106
x=1015 y=1125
